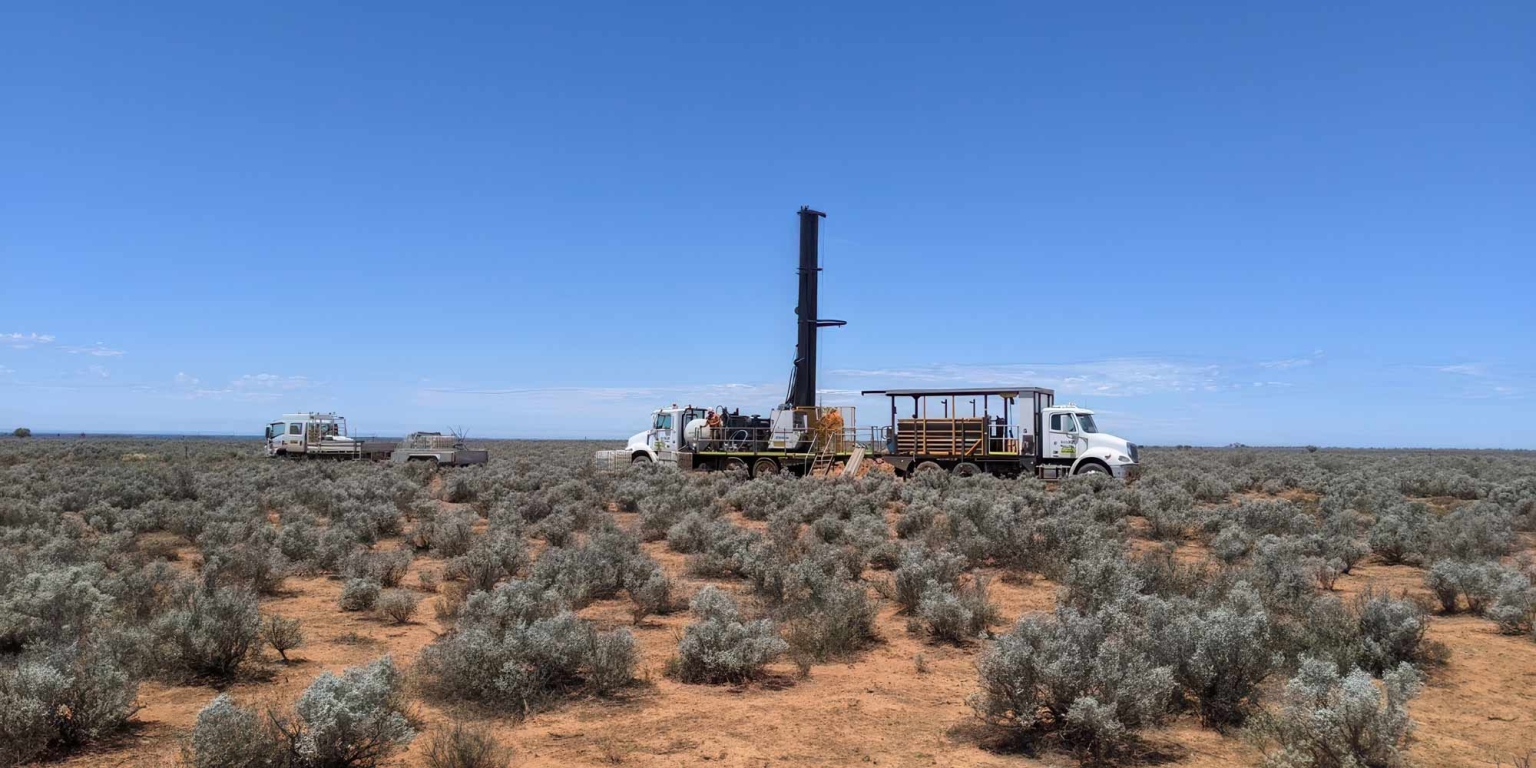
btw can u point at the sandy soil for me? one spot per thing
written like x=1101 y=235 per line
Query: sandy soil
x=882 y=708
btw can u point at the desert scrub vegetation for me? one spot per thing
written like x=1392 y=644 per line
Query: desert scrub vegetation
x=721 y=646
x=1194 y=594
x=519 y=646
x=1328 y=720
x=461 y=745
x=357 y=719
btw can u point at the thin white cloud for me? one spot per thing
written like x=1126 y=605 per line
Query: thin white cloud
x=24 y=340
x=99 y=370
x=697 y=394
x=1287 y=364
x=98 y=349
x=1477 y=370
x=1114 y=377
x=184 y=380
x=269 y=382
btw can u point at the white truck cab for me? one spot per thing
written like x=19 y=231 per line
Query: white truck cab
x=298 y=433
x=1070 y=434
x=661 y=441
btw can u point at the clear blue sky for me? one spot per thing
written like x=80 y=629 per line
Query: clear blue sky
x=1212 y=222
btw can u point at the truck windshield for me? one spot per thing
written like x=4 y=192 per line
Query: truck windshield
x=1085 y=423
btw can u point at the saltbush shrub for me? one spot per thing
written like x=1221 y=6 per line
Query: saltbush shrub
x=1402 y=533
x=359 y=595
x=57 y=700
x=518 y=646
x=1327 y=720
x=212 y=632
x=1088 y=680
x=1221 y=655
x=357 y=719
x=398 y=605
x=720 y=646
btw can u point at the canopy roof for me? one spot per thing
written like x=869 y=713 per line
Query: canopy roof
x=962 y=392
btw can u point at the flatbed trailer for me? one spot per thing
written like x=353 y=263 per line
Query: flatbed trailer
x=1001 y=431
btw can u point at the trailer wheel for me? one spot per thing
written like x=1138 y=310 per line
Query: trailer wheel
x=764 y=466
x=927 y=466
x=1092 y=467
x=966 y=469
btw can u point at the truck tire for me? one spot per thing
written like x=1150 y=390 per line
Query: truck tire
x=641 y=458
x=765 y=466
x=735 y=464
x=1092 y=467
x=926 y=466
x=966 y=469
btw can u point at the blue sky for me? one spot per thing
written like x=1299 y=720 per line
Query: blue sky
x=1214 y=222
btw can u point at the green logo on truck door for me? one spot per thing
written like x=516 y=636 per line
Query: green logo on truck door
x=1069 y=450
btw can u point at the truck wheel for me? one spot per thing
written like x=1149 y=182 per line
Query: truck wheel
x=641 y=458
x=966 y=469
x=734 y=464
x=763 y=467
x=1092 y=468
x=926 y=466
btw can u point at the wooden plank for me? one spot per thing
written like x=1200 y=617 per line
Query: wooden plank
x=852 y=466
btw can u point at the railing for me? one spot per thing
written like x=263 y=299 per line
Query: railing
x=1008 y=439
x=769 y=440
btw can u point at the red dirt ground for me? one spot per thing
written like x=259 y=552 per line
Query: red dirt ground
x=879 y=709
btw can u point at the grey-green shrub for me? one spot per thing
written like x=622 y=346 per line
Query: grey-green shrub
x=720 y=646
x=358 y=718
x=1088 y=680
x=1330 y=721
x=1391 y=630
x=398 y=605
x=60 y=699
x=1402 y=533
x=212 y=633
x=53 y=605
x=957 y=614
x=1221 y=655
x=1513 y=607
x=359 y=595
x=651 y=592
x=518 y=646
x=227 y=735
x=922 y=568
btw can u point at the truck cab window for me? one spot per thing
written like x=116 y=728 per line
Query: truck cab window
x=1061 y=422
x=1085 y=422
x=664 y=421
x=295 y=429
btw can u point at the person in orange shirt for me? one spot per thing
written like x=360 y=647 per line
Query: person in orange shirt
x=832 y=428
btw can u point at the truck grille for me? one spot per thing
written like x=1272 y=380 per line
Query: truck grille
x=1134 y=456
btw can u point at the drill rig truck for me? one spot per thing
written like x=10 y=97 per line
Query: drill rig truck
x=1006 y=431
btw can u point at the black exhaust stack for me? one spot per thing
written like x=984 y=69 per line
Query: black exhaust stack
x=802 y=379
